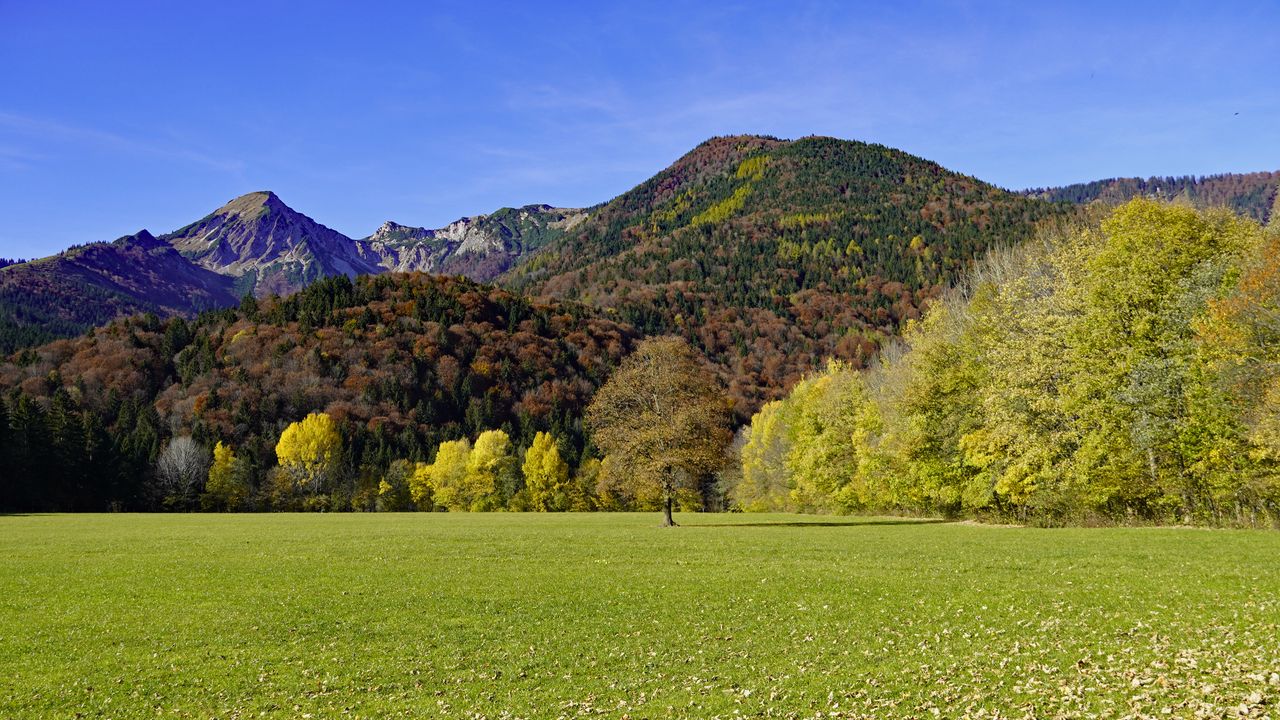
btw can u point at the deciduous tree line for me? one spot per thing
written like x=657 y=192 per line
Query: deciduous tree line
x=659 y=427
x=662 y=419
x=1121 y=368
x=486 y=475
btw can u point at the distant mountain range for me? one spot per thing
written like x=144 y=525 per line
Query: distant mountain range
x=480 y=248
x=253 y=245
x=271 y=249
x=770 y=255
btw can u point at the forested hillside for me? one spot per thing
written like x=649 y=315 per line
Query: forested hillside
x=399 y=362
x=771 y=255
x=85 y=286
x=1250 y=194
x=767 y=254
x=1120 y=368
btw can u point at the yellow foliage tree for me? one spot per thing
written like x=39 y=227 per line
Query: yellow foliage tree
x=309 y=449
x=490 y=462
x=546 y=475
x=764 y=485
x=225 y=489
x=420 y=491
x=582 y=492
x=444 y=482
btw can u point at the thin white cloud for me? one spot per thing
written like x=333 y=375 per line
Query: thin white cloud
x=16 y=158
x=53 y=131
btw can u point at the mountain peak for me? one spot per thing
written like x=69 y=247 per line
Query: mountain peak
x=392 y=232
x=278 y=249
x=253 y=204
x=142 y=238
x=740 y=142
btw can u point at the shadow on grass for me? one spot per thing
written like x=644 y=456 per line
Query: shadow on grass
x=827 y=523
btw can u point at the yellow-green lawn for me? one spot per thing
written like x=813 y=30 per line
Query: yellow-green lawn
x=609 y=615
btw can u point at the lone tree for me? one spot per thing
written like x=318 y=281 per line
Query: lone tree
x=662 y=420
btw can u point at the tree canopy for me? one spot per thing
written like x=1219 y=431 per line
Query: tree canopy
x=401 y=363
x=1120 y=367
x=662 y=419
x=309 y=450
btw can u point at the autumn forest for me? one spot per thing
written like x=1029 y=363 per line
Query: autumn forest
x=869 y=333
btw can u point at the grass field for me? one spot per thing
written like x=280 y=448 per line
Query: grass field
x=543 y=616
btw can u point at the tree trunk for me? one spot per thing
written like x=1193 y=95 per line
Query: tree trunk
x=667 y=521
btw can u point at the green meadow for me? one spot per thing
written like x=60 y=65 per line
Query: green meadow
x=608 y=615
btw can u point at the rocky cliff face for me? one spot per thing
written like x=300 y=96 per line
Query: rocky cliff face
x=480 y=247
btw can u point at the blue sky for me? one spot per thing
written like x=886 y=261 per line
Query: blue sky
x=116 y=116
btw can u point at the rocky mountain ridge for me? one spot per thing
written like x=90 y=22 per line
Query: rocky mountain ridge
x=271 y=248
x=255 y=244
x=268 y=247
x=480 y=247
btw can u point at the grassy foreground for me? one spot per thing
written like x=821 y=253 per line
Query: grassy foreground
x=494 y=616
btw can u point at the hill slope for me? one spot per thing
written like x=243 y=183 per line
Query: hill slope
x=1250 y=194
x=402 y=361
x=772 y=255
x=89 y=285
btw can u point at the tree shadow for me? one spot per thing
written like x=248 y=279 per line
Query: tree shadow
x=828 y=523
